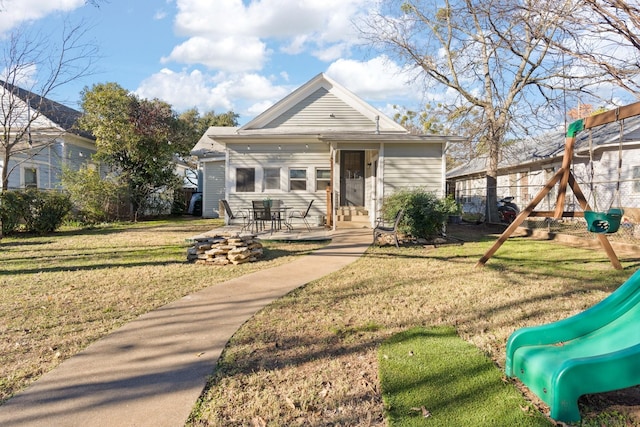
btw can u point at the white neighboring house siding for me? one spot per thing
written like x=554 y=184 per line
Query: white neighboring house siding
x=213 y=187
x=309 y=156
x=49 y=160
x=411 y=166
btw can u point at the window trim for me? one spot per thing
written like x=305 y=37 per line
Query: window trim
x=305 y=179
x=264 y=179
x=327 y=180
x=36 y=173
x=238 y=188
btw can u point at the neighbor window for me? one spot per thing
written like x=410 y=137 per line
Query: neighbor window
x=297 y=179
x=323 y=179
x=30 y=178
x=636 y=177
x=271 y=178
x=245 y=180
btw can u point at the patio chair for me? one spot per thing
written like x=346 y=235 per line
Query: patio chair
x=261 y=214
x=382 y=230
x=298 y=214
x=231 y=215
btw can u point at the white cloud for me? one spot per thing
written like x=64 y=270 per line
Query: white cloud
x=229 y=53
x=184 y=90
x=245 y=94
x=15 y=12
x=322 y=27
x=377 y=79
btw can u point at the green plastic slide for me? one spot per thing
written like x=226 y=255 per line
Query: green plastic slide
x=595 y=351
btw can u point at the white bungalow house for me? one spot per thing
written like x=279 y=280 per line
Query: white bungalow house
x=528 y=165
x=51 y=141
x=320 y=143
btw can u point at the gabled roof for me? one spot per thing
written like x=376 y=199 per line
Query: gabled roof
x=207 y=146
x=59 y=115
x=550 y=147
x=321 y=105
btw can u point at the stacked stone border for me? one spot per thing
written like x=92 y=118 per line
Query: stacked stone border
x=225 y=249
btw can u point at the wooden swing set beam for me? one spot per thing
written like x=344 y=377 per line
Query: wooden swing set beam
x=564 y=178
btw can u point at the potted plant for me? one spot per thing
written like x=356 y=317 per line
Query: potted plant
x=453 y=209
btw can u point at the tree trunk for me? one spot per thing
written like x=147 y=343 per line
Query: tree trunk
x=494 y=136
x=5 y=169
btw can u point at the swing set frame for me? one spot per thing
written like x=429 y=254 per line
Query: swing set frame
x=564 y=178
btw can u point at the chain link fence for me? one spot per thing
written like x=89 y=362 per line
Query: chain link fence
x=600 y=195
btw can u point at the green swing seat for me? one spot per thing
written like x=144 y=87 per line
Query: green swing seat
x=604 y=222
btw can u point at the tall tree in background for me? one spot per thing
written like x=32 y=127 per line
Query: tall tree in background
x=494 y=56
x=605 y=36
x=39 y=64
x=198 y=125
x=138 y=138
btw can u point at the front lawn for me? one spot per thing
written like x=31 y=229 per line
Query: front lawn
x=60 y=292
x=311 y=358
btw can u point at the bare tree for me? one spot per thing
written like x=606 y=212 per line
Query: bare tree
x=605 y=35
x=493 y=58
x=33 y=67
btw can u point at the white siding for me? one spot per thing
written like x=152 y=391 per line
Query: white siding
x=284 y=156
x=409 y=166
x=213 y=188
x=322 y=110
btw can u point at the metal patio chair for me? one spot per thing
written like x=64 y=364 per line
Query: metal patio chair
x=235 y=215
x=381 y=230
x=299 y=214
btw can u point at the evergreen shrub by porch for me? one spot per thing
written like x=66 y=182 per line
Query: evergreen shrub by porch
x=424 y=213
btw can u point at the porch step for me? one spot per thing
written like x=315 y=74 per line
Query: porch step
x=352 y=217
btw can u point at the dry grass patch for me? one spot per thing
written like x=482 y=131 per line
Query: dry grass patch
x=311 y=358
x=59 y=293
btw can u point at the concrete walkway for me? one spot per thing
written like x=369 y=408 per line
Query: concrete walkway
x=151 y=371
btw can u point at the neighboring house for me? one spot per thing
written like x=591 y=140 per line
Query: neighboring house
x=528 y=165
x=52 y=140
x=320 y=143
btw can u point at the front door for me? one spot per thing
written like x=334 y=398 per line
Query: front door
x=352 y=178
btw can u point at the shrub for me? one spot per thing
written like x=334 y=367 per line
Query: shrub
x=41 y=211
x=12 y=207
x=424 y=213
x=94 y=199
x=45 y=210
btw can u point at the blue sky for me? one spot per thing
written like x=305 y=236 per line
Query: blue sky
x=240 y=55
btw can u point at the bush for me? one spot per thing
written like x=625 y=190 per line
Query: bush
x=41 y=211
x=12 y=206
x=94 y=199
x=45 y=210
x=424 y=214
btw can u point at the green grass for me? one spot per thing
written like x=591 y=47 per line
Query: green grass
x=62 y=291
x=312 y=357
x=433 y=373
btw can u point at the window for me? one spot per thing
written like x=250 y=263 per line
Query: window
x=245 y=180
x=636 y=177
x=271 y=178
x=323 y=179
x=297 y=180
x=31 y=178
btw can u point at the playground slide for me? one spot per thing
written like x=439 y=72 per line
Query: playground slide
x=595 y=351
